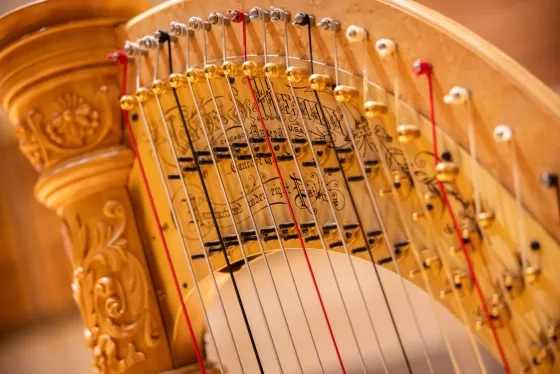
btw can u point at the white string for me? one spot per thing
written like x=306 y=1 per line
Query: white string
x=192 y=212
x=462 y=312
x=176 y=221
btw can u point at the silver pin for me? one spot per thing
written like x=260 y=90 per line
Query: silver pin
x=328 y=24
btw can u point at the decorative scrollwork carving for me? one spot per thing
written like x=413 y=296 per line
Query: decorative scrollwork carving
x=68 y=125
x=111 y=289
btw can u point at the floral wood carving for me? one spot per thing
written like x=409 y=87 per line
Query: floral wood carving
x=74 y=122
x=111 y=288
x=70 y=125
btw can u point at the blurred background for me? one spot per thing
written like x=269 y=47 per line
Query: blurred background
x=40 y=329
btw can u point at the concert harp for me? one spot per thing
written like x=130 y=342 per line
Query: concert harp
x=269 y=146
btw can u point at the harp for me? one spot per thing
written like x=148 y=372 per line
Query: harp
x=294 y=177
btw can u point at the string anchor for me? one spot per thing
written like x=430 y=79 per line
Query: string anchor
x=512 y=283
x=485 y=219
x=328 y=24
x=457 y=95
x=128 y=102
x=296 y=74
x=321 y=82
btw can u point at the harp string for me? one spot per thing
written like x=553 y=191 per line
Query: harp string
x=435 y=245
x=307 y=200
x=354 y=205
x=408 y=231
x=268 y=205
x=426 y=69
x=177 y=224
x=327 y=195
x=504 y=134
x=193 y=215
x=241 y=19
x=462 y=96
x=222 y=186
x=209 y=203
x=122 y=59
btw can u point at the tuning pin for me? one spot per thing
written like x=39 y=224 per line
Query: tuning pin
x=408 y=133
x=431 y=262
x=320 y=82
x=446 y=171
x=345 y=94
x=296 y=74
x=128 y=102
x=485 y=219
x=373 y=109
x=553 y=334
x=431 y=200
x=461 y=282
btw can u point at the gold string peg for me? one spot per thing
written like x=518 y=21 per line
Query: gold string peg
x=230 y=69
x=178 y=80
x=250 y=69
x=128 y=102
x=321 y=82
x=143 y=95
x=407 y=133
x=194 y=75
x=485 y=219
x=159 y=87
x=446 y=171
x=272 y=70
x=374 y=109
x=345 y=94
x=212 y=71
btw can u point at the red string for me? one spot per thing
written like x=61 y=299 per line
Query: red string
x=121 y=59
x=425 y=68
x=241 y=19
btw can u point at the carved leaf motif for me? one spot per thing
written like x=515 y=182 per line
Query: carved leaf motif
x=111 y=291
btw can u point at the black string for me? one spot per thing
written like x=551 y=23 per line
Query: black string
x=354 y=205
x=164 y=38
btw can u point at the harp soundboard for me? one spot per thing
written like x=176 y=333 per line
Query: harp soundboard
x=331 y=156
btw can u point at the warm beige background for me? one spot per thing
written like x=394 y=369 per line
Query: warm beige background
x=34 y=276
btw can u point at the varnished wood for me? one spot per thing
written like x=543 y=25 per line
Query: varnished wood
x=502 y=93
x=83 y=174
